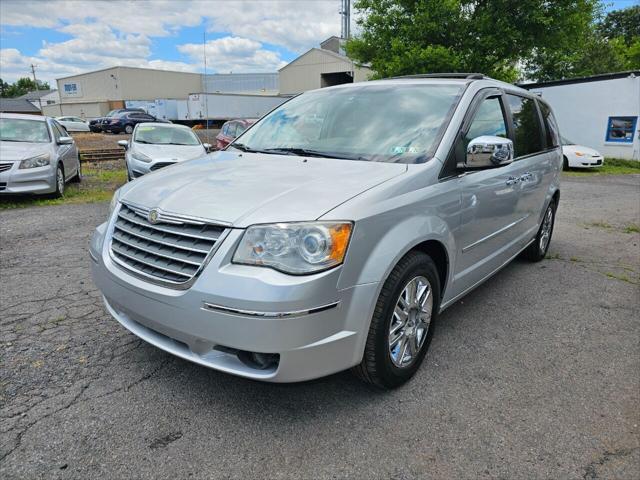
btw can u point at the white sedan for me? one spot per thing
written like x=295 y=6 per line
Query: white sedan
x=73 y=124
x=579 y=156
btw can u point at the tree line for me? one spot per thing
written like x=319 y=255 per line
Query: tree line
x=20 y=87
x=511 y=40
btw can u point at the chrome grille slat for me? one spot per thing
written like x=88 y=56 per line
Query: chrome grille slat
x=153 y=264
x=132 y=217
x=173 y=250
x=162 y=242
x=150 y=249
x=5 y=166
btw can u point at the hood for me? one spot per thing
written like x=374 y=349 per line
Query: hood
x=244 y=189
x=171 y=153
x=14 y=151
x=580 y=148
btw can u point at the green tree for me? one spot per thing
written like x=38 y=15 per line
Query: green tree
x=22 y=86
x=623 y=23
x=505 y=39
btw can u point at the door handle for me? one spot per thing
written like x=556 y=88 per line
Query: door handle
x=525 y=177
x=512 y=180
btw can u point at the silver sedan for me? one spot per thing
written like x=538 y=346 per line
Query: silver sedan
x=37 y=155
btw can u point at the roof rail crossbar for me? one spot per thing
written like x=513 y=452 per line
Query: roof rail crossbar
x=468 y=76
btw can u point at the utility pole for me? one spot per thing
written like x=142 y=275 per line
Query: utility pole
x=33 y=70
x=345 y=13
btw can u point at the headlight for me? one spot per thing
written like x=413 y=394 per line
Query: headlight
x=297 y=248
x=33 y=162
x=140 y=157
x=114 y=202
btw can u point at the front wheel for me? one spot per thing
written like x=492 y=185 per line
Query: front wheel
x=128 y=129
x=402 y=324
x=59 y=182
x=538 y=249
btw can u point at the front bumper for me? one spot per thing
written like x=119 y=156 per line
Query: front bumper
x=30 y=180
x=138 y=168
x=586 y=162
x=308 y=344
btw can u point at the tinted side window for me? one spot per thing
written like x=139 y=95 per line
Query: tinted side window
x=552 y=133
x=231 y=129
x=526 y=124
x=488 y=120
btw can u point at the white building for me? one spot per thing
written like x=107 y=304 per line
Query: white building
x=600 y=111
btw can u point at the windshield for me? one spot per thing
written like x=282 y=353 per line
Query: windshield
x=20 y=130
x=165 y=135
x=382 y=123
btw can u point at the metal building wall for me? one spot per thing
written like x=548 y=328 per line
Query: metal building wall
x=254 y=83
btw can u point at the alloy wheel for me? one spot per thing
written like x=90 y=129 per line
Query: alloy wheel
x=410 y=322
x=60 y=180
x=545 y=232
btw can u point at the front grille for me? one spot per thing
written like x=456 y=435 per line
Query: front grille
x=157 y=166
x=172 y=250
x=5 y=166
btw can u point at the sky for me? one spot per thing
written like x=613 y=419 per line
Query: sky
x=66 y=37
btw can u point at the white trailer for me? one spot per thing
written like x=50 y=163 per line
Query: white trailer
x=163 y=108
x=226 y=106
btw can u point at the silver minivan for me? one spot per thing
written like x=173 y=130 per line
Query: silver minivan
x=332 y=233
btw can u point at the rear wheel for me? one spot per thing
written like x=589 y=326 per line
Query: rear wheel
x=538 y=249
x=128 y=129
x=565 y=163
x=402 y=324
x=77 y=178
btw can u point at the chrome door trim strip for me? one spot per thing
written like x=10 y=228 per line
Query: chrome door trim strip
x=494 y=234
x=252 y=313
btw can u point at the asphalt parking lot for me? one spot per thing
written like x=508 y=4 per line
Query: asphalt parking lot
x=536 y=374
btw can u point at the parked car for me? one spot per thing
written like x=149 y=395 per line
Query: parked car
x=36 y=155
x=154 y=146
x=96 y=125
x=126 y=121
x=579 y=156
x=73 y=124
x=337 y=230
x=232 y=130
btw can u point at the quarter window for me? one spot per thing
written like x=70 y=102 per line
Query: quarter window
x=621 y=129
x=526 y=125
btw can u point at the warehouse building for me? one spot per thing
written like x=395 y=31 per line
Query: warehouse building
x=599 y=111
x=321 y=67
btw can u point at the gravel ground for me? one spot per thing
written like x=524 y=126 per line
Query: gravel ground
x=533 y=375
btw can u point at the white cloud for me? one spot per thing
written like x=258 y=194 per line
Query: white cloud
x=107 y=33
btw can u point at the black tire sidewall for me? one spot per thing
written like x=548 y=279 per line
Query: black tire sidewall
x=419 y=265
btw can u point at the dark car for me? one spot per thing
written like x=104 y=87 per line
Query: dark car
x=231 y=130
x=125 y=122
x=97 y=124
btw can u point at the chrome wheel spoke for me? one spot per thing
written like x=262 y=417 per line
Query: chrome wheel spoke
x=409 y=323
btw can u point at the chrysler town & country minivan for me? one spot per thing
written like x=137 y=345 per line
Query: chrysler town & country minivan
x=332 y=233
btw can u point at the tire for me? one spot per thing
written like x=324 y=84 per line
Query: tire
x=77 y=178
x=539 y=248
x=380 y=362
x=129 y=177
x=60 y=184
x=128 y=129
x=565 y=163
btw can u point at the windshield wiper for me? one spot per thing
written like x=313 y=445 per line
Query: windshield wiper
x=314 y=153
x=12 y=140
x=143 y=141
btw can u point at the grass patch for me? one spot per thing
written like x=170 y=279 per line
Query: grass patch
x=612 y=166
x=99 y=181
x=633 y=228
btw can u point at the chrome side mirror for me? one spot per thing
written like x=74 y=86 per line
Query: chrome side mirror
x=65 y=141
x=124 y=143
x=488 y=151
x=207 y=147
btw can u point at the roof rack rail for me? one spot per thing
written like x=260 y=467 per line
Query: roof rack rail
x=469 y=76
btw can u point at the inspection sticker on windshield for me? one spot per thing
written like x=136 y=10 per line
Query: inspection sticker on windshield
x=399 y=150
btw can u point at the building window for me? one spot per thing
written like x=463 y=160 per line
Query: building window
x=621 y=129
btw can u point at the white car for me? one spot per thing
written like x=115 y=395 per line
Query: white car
x=73 y=124
x=579 y=156
x=157 y=145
